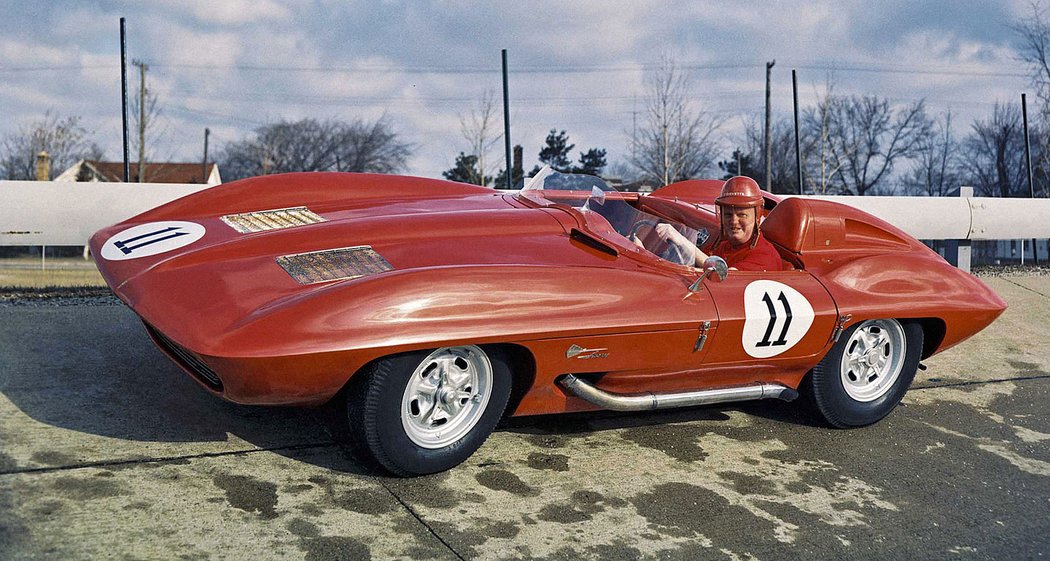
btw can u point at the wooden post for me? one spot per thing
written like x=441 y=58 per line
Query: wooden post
x=204 y=164
x=143 y=67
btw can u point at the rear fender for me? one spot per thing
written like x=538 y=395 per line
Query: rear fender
x=914 y=285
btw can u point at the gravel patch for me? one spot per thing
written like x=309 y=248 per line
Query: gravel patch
x=58 y=296
x=1011 y=271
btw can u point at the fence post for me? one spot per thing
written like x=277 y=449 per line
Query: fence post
x=963 y=257
x=957 y=252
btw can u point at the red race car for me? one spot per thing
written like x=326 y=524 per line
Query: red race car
x=438 y=307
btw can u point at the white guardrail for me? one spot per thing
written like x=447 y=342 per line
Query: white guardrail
x=958 y=218
x=60 y=213
x=52 y=213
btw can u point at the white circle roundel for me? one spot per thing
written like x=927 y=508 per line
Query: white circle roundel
x=150 y=239
x=776 y=318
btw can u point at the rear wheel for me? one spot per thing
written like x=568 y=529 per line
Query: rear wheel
x=867 y=372
x=424 y=412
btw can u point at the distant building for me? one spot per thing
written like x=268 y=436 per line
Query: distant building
x=638 y=186
x=156 y=172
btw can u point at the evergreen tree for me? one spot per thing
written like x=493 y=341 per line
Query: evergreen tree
x=741 y=164
x=556 y=151
x=592 y=162
x=517 y=180
x=466 y=170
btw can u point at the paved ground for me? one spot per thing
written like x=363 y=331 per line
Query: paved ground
x=108 y=451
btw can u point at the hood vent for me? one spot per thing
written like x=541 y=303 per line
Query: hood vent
x=334 y=264
x=263 y=220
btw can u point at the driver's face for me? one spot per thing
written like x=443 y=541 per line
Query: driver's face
x=738 y=224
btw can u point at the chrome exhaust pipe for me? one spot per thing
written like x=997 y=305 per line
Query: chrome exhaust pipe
x=648 y=400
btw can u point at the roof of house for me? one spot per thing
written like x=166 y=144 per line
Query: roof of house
x=156 y=172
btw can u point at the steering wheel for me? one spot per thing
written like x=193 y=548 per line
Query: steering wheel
x=674 y=254
x=638 y=225
x=671 y=252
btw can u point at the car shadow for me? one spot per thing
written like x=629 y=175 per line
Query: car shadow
x=571 y=424
x=111 y=381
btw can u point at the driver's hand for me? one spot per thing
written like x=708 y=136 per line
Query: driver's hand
x=637 y=242
x=667 y=233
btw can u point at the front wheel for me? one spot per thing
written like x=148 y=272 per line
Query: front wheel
x=428 y=411
x=867 y=372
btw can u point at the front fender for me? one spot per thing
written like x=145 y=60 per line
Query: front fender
x=406 y=310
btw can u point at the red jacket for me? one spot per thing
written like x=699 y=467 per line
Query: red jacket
x=763 y=257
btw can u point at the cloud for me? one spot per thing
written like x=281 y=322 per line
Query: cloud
x=224 y=13
x=580 y=66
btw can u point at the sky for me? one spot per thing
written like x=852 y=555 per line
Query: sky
x=235 y=65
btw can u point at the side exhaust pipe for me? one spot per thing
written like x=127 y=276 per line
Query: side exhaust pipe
x=648 y=400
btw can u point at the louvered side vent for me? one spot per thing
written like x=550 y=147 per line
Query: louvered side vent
x=334 y=264
x=271 y=219
x=187 y=360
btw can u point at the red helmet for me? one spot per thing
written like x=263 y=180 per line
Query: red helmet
x=740 y=192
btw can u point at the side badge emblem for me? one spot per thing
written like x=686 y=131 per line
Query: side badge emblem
x=578 y=352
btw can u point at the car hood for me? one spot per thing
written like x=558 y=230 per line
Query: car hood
x=226 y=280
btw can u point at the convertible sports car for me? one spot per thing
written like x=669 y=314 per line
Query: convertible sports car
x=435 y=307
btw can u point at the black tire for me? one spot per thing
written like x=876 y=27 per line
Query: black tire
x=847 y=395
x=395 y=435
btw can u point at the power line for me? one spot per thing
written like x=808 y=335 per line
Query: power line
x=543 y=69
x=905 y=70
x=212 y=114
x=61 y=68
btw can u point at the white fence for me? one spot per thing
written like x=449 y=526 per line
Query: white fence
x=59 y=213
x=48 y=213
x=959 y=218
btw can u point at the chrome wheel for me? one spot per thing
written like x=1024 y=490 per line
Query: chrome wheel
x=446 y=396
x=873 y=358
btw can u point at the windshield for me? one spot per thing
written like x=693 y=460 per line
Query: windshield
x=591 y=194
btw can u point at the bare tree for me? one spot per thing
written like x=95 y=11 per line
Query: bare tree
x=312 y=145
x=480 y=128
x=64 y=139
x=864 y=137
x=822 y=157
x=371 y=147
x=994 y=154
x=1034 y=50
x=675 y=141
x=782 y=151
x=936 y=172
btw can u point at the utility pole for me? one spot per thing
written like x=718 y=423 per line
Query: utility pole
x=124 y=93
x=1031 y=180
x=798 y=145
x=143 y=67
x=506 y=124
x=767 y=148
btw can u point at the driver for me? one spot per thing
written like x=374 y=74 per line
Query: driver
x=740 y=242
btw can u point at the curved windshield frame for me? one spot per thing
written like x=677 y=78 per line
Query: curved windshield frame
x=590 y=194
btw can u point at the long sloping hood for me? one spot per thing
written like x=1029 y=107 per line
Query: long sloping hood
x=219 y=284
